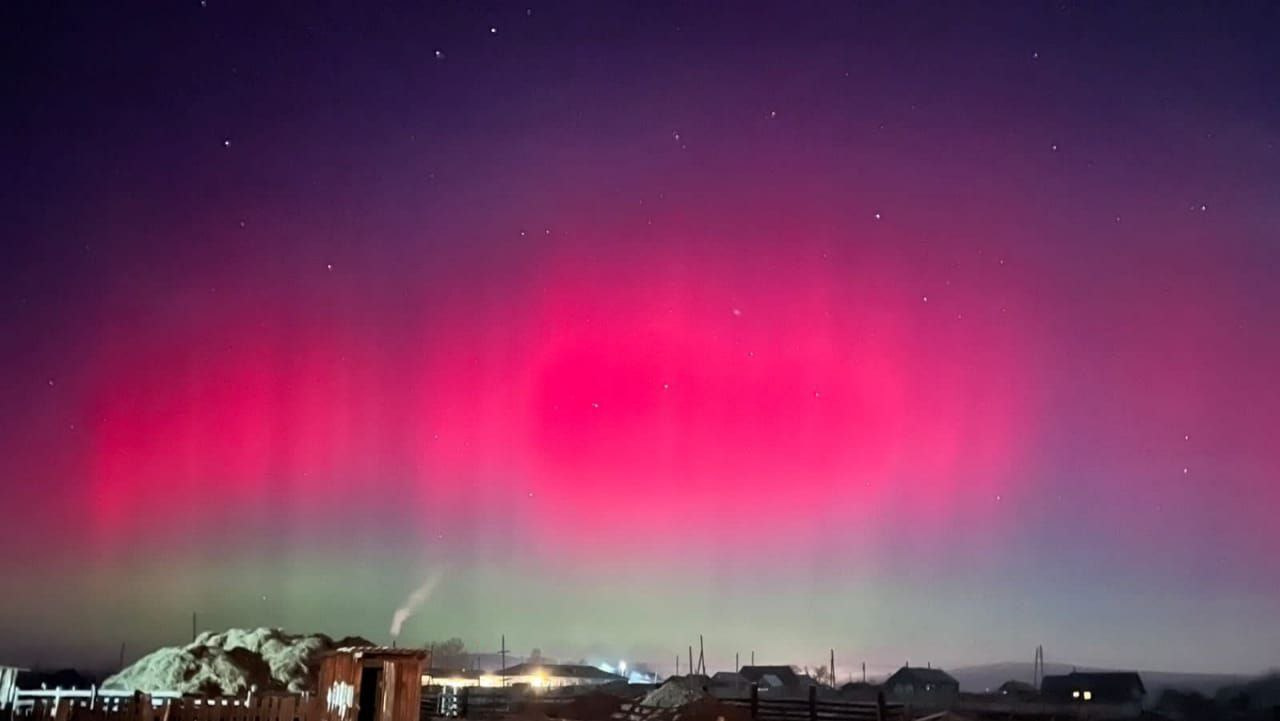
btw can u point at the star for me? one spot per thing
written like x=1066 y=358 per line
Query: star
x=736 y=311
x=1054 y=147
x=439 y=55
x=595 y=405
x=329 y=266
x=226 y=142
x=877 y=216
x=493 y=30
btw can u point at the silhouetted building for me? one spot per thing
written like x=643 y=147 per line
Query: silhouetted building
x=1119 y=689
x=922 y=687
x=730 y=684
x=859 y=691
x=776 y=680
x=557 y=675
x=1020 y=690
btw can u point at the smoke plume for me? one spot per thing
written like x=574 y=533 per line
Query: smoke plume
x=413 y=602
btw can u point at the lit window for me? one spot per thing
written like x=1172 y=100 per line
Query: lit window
x=1075 y=694
x=1088 y=695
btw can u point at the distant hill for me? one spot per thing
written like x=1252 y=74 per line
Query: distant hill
x=1255 y=694
x=977 y=679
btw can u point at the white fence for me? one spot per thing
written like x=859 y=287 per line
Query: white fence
x=108 y=698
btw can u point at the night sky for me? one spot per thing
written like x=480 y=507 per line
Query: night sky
x=928 y=331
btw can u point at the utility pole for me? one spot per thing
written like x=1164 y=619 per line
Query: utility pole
x=122 y=655
x=833 y=668
x=193 y=627
x=1037 y=668
x=503 y=651
x=735 y=662
x=690 y=658
x=677 y=664
x=864 y=671
x=753 y=658
x=702 y=659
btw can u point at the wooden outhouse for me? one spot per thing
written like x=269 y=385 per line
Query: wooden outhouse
x=371 y=684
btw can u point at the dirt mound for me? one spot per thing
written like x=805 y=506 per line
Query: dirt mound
x=709 y=709
x=675 y=693
x=232 y=662
x=590 y=707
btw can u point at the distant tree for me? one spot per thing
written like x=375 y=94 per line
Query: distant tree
x=450 y=652
x=822 y=674
x=1187 y=706
x=535 y=656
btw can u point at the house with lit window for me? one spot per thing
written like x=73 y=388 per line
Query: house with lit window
x=1117 y=693
x=557 y=675
x=922 y=687
x=777 y=680
x=532 y=675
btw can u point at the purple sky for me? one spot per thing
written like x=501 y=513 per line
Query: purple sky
x=927 y=331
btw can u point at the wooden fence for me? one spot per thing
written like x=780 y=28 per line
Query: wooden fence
x=478 y=702
x=815 y=709
x=105 y=705
x=475 y=702
x=108 y=705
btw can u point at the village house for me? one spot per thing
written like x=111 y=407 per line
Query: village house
x=922 y=687
x=1123 y=692
x=557 y=675
x=777 y=680
x=859 y=691
x=1017 y=690
x=730 y=684
x=532 y=675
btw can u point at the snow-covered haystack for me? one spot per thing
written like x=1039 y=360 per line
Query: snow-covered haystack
x=232 y=662
x=676 y=692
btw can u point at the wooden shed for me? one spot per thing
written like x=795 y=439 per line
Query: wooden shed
x=371 y=684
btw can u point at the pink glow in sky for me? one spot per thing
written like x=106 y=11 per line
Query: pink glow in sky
x=839 y=317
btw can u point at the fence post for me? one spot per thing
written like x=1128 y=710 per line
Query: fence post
x=813 y=703
x=755 y=700
x=880 y=706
